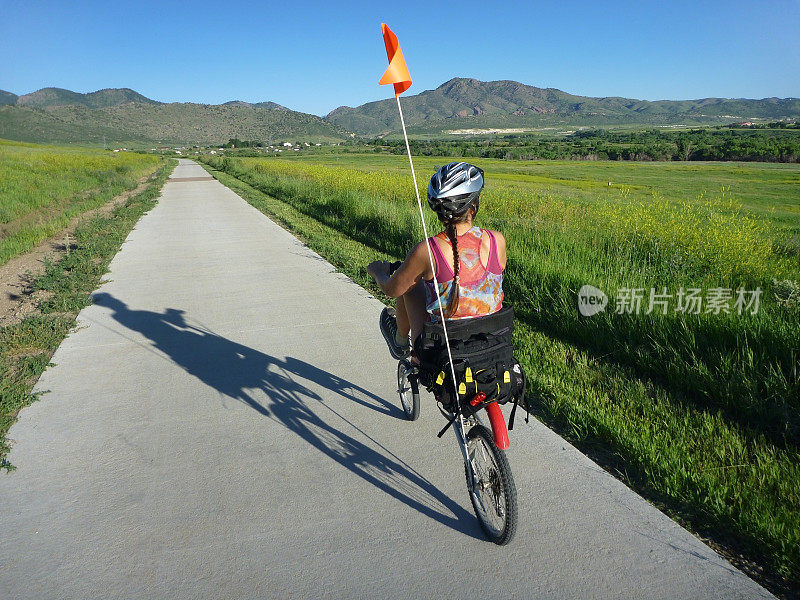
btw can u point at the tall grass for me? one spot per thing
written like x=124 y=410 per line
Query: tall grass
x=42 y=188
x=700 y=412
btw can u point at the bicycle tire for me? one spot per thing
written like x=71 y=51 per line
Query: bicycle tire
x=408 y=388
x=496 y=479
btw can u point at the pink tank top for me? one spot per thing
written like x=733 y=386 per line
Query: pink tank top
x=480 y=288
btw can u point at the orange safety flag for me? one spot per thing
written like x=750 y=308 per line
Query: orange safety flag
x=397 y=73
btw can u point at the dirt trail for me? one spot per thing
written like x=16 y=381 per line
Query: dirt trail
x=17 y=299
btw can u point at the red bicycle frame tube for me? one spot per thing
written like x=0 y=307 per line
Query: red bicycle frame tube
x=498 y=422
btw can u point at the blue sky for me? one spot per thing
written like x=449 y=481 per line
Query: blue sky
x=315 y=56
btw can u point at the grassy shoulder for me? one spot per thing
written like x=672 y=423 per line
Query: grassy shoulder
x=26 y=348
x=721 y=476
x=44 y=187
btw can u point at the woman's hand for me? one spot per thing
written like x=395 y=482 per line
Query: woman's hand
x=378 y=269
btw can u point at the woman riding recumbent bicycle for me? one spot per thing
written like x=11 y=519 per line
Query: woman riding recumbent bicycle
x=450 y=287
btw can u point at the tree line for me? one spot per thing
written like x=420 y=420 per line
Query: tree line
x=780 y=143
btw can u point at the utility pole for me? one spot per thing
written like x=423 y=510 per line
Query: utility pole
x=104 y=143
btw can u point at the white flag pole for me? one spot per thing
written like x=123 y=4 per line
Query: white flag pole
x=430 y=257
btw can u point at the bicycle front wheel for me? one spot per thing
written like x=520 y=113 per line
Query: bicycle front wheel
x=408 y=388
x=491 y=486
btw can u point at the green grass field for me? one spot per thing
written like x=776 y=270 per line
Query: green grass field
x=698 y=412
x=43 y=187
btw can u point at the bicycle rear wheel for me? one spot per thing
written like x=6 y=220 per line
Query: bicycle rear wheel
x=408 y=388
x=491 y=488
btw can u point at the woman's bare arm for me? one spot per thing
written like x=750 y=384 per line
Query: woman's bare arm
x=414 y=267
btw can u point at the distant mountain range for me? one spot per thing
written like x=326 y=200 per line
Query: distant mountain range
x=469 y=103
x=124 y=116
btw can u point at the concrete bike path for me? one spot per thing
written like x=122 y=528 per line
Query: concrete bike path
x=224 y=424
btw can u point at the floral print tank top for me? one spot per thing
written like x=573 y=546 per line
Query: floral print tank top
x=480 y=288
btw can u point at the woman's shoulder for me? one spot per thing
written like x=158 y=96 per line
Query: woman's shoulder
x=420 y=249
x=499 y=237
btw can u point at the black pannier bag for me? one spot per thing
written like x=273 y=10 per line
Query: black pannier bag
x=483 y=357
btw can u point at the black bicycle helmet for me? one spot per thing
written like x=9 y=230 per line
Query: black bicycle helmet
x=455 y=188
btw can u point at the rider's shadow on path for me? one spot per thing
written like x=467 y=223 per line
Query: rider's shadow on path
x=236 y=371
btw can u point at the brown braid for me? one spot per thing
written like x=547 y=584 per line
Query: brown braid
x=452 y=303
